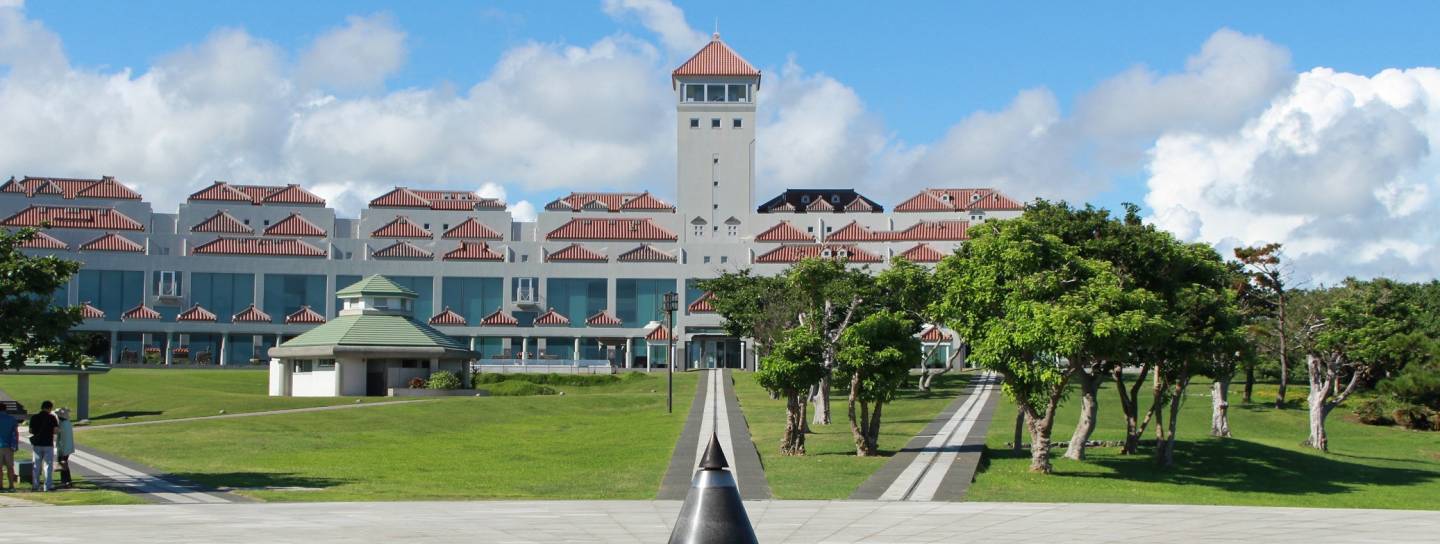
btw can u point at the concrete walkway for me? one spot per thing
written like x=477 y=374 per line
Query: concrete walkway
x=650 y=521
x=940 y=462
x=716 y=410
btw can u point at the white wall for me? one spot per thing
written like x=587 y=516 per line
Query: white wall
x=352 y=376
x=318 y=383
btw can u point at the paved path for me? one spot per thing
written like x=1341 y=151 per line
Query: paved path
x=940 y=462
x=253 y=414
x=123 y=475
x=716 y=410
x=650 y=522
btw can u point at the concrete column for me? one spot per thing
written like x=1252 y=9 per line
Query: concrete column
x=610 y=294
x=437 y=297
x=524 y=346
x=629 y=352
x=287 y=379
x=169 y=349
x=277 y=340
x=114 y=347
x=330 y=288
x=224 y=355
x=434 y=364
x=575 y=355
x=339 y=369
x=82 y=397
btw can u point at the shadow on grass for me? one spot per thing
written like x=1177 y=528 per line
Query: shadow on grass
x=126 y=415
x=254 y=480
x=1240 y=465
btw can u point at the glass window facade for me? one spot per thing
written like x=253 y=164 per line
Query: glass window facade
x=591 y=349
x=559 y=348
x=61 y=296
x=473 y=298
x=204 y=348
x=489 y=346
x=424 y=287
x=112 y=291
x=286 y=293
x=639 y=301
x=223 y=294
x=240 y=349
x=576 y=298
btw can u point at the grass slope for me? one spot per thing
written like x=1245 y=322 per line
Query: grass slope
x=128 y=395
x=599 y=442
x=1263 y=464
x=830 y=470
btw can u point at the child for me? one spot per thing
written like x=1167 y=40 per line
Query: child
x=64 y=446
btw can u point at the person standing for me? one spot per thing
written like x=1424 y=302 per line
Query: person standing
x=43 y=427
x=64 y=446
x=9 y=442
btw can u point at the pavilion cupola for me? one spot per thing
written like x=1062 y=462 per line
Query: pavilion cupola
x=376 y=295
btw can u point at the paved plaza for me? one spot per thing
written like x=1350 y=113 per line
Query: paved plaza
x=650 y=521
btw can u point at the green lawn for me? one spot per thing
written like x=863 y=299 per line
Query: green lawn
x=600 y=442
x=1264 y=464
x=830 y=470
x=128 y=395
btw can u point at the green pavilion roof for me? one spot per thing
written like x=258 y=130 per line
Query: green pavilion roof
x=375 y=286
x=375 y=331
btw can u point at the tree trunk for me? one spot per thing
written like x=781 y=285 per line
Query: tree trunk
x=1249 y=383
x=793 y=442
x=1130 y=405
x=1177 y=398
x=1284 y=361
x=1020 y=418
x=1089 y=386
x=1319 y=409
x=822 y=402
x=1040 y=437
x=859 y=426
x=873 y=435
x=1220 y=408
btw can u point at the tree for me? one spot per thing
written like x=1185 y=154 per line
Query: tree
x=1270 y=279
x=789 y=370
x=30 y=323
x=1034 y=310
x=761 y=308
x=875 y=357
x=911 y=290
x=831 y=296
x=1350 y=332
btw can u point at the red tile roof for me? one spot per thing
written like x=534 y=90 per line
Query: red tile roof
x=646 y=253
x=251 y=314
x=305 y=315
x=703 y=304
x=855 y=232
x=401 y=227
x=403 y=250
x=275 y=247
x=44 y=241
x=955 y=200
x=602 y=319
x=552 y=318
x=68 y=217
x=294 y=225
x=922 y=253
x=404 y=197
x=90 y=312
x=223 y=222
x=784 y=232
x=141 y=312
x=608 y=202
x=447 y=317
x=576 y=253
x=113 y=242
x=69 y=188
x=660 y=333
x=499 y=318
x=793 y=253
x=472 y=229
x=947 y=231
x=258 y=194
x=934 y=334
x=196 y=313
x=473 y=251
x=716 y=59
x=582 y=228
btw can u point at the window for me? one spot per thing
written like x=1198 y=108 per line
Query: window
x=739 y=93
x=724 y=259
x=427 y=226
x=736 y=123
x=224 y=294
x=694 y=122
x=267 y=222
x=804 y=199
x=714 y=122
x=714 y=93
x=525 y=258
x=472 y=298
x=699 y=230
x=304 y=366
x=576 y=298
x=707 y=259
x=834 y=199
x=247 y=222
x=732 y=230
x=694 y=93
x=715 y=207
x=638 y=301
x=810 y=229
x=167 y=283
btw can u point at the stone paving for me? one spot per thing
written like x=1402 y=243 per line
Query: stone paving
x=939 y=463
x=650 y=521
x=716 y=410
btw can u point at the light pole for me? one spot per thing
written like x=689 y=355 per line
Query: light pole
x=669 y=307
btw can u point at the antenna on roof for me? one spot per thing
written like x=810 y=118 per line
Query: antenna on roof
x=716 y=35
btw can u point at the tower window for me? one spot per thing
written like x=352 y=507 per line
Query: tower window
x=737 y=123
x=714 y=122
x=707 y=259
x=715 y=93
x=694 y=93
x=694 y=122
x=739 y=93
x=699 y=230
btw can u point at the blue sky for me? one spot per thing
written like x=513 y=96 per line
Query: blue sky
x=902 y=96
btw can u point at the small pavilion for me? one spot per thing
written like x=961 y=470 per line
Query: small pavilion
x=373 y=345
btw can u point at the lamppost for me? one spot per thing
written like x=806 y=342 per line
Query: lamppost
x=669 y=306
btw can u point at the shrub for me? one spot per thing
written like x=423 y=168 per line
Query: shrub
x=483 y=379
x=443 y=379
x=417 y=383
x=1416 y=384
x=1414 y=416
x=1374 y=411
x=573 y=380
x=519 y=388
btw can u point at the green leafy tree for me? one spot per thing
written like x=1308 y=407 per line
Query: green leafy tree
x=791 y=367
x=911 y=290
x=875 y=356
x=30 y=324
x=831 y=296
x=761 y=308
x=1271 y=281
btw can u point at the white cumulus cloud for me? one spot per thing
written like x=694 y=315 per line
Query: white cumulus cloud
x=356 y=56
x=664 y=19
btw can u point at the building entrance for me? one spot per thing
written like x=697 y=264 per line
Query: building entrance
x=716 y=352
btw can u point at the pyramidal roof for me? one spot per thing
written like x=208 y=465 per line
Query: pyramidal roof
x=375 y=286
x=716 y=59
